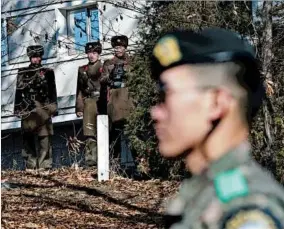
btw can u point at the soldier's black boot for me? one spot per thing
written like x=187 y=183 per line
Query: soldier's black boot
x=91 y=152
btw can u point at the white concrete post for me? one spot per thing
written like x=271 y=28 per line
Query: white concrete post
x=103 y=147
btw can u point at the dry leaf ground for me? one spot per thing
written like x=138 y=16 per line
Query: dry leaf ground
x=68 y=198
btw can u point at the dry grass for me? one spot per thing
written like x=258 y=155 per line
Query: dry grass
x=69 y=198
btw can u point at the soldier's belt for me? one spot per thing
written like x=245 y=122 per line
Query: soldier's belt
x=94 y=94
x=117 y=84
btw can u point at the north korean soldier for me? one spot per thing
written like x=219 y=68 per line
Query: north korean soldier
x=35 y=104
x=210 y=90
x=88 y=95
x=119 y=103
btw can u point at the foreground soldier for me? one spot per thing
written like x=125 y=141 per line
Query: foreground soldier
x=119 y=104
x=211 y=88
x=36 y=103
x=88 y=93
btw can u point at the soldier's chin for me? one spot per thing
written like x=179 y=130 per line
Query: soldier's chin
x=36 y=64
x=169 y=150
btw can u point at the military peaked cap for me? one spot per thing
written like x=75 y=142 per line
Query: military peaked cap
x=93 y=47
x=35 y=51
x=211 y=45
x=119 y=41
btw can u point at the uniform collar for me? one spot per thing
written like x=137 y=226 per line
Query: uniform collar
x=35 y=66
x=234 y=158
x=123 y=58
x=90 y=63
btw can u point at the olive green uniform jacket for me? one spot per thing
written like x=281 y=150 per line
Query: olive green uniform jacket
x=119 y=103
x=88 y=95
x=234 y=193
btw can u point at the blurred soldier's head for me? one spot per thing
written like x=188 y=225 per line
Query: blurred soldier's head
x=93 y=51
x=35 y=53
x=119 y=43
x=209 y=83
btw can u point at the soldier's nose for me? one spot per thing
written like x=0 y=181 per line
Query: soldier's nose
x=156 y=112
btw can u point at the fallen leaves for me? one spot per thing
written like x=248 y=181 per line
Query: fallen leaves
x=68 y=198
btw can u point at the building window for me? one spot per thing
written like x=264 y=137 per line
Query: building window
x=83 y=27
x=31 y=29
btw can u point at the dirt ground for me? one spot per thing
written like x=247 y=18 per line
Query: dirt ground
x=68 y=198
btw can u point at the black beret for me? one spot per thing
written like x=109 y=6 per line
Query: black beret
x=94 y=47
x=35 y=51
x=119 y=41
x=211 y=45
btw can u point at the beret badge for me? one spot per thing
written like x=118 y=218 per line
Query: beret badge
x=167 y=51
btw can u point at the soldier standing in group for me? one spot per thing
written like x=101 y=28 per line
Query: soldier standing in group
x=119 y=103
x=36 y=103
x=211 y=88
x=88 y=97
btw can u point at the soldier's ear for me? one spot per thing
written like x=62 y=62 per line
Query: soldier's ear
x=219 y=102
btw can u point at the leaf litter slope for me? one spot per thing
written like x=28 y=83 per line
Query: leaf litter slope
x=68 y=198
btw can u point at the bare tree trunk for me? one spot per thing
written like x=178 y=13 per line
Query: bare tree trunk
x=267 y=54
x=268 y=157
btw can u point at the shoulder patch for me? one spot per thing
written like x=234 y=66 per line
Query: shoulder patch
x=230 y=184
x=251 y=217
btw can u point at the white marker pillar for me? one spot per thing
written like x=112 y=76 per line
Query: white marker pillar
x=103 y=147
